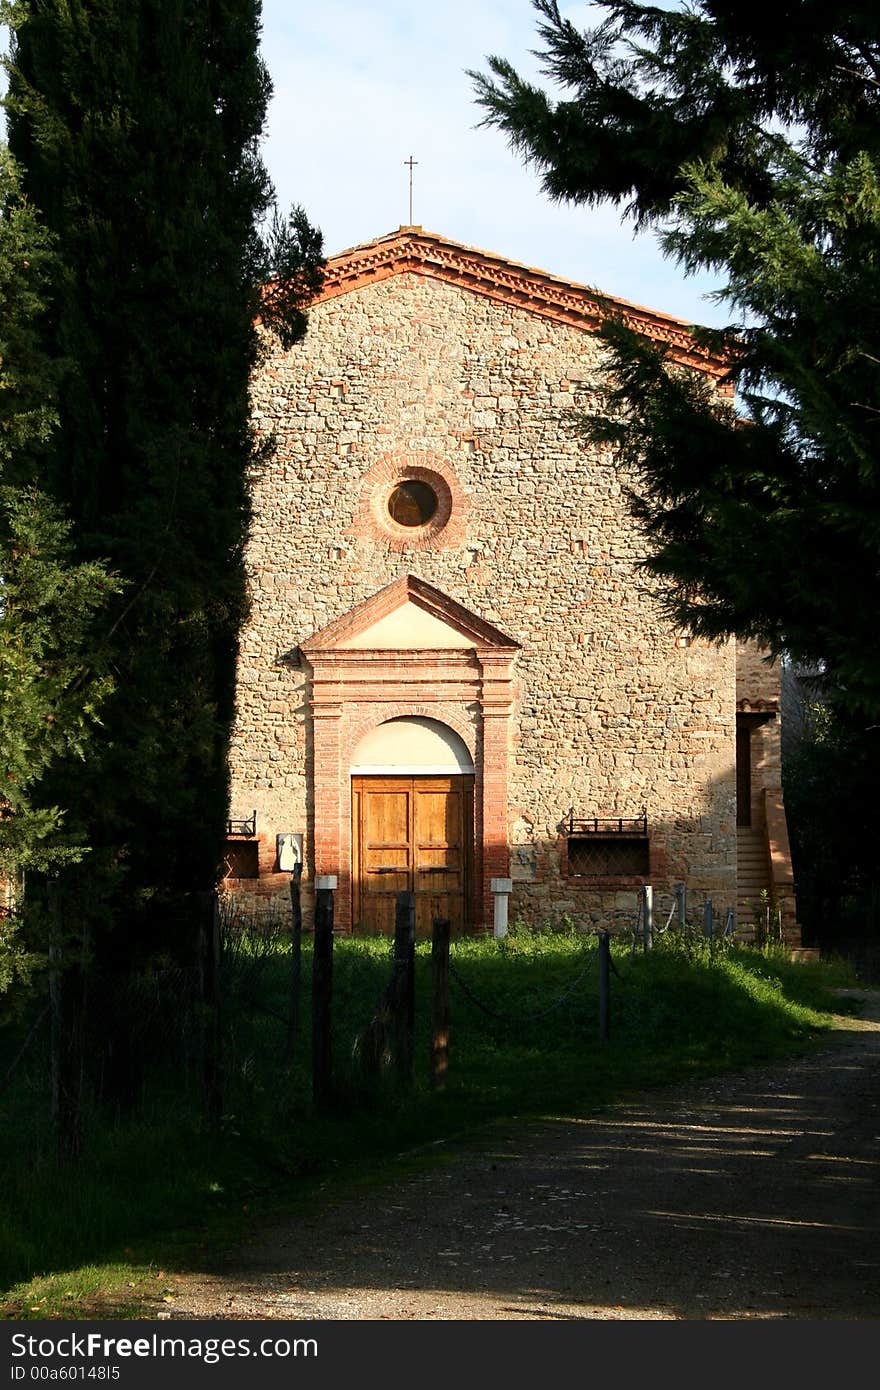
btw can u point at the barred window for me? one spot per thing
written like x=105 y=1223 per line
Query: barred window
x=622 y=856
x=242 y=859
x=606 y=846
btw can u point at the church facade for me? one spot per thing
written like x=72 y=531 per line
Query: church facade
x=453 y=674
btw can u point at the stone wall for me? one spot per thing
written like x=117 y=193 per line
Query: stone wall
x=616 y=713
x=758 y=675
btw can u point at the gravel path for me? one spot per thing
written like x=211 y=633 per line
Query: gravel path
x=749 y=1196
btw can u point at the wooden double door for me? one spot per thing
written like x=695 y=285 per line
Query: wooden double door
x=412 y=834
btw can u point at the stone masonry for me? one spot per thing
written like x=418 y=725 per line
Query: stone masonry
x=468 y=374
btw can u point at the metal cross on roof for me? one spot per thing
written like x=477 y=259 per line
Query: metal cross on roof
x=411 y=164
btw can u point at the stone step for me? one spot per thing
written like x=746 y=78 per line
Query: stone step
x=752 y=869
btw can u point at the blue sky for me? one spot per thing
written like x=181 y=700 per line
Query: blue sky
x=359 y=87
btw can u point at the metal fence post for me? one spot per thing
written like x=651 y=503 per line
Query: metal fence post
x=295 y=962
x=604 y=985
x=209 y=972
x=403 y=986
x=322 y=989
x=439 y=1002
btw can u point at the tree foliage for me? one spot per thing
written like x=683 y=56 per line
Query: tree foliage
x=830 y=784
x=51 y=681
x=748 y=138
x=136 y=124
x=50 y=690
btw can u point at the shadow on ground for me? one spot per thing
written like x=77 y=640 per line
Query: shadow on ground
x=748 y=1196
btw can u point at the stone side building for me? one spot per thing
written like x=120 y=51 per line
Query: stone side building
x=454 y=671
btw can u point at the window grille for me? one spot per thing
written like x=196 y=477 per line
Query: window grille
x=607 y=846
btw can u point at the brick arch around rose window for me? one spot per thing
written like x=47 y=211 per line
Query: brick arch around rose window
x=447 y=527
x=468 y=685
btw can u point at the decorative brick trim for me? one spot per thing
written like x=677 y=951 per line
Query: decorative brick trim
x=354 y=690
x=407 y=588
x=447 y=527
x=362 y=724
x=521 y=286
x=765 y=707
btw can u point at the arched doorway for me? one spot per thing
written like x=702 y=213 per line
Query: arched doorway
x=412 y=798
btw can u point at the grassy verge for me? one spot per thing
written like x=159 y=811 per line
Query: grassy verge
x=160 y=1190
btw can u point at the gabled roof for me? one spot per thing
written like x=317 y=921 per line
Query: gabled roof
x=410 y=249
x=344 y=631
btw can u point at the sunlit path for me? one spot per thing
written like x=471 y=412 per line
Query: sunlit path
x=751 y=1196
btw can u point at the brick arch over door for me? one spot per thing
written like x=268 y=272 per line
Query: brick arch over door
x=374 y=718
x=354 y=688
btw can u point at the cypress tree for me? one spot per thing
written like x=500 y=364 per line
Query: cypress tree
x=136 y=124
x=51 y=686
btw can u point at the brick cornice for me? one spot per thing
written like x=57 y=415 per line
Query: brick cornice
x=757 y=706
x=410 y=249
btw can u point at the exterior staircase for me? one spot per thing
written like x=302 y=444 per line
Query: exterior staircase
x=763 y=864
x=752 y=872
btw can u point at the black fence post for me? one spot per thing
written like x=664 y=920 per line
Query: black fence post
x=439 y=1002
x=212 y=1067
x=296 y=923
x=403 y=983
x=604 y=985
x=322 y=990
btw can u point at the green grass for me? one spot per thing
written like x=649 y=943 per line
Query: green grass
x=162 y=1190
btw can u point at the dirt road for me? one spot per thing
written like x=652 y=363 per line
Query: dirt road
x=750 y=1196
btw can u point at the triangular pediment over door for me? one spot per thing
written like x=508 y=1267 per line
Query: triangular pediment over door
x=406 y=615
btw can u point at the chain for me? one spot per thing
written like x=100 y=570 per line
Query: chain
x=517 y=1018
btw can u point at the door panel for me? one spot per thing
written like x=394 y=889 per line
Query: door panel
x=385 y=851
x=412 y=834
x=438 y=843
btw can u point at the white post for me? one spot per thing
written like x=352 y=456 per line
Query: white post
x=648 y=900
x=502 y=889
x=326 y=883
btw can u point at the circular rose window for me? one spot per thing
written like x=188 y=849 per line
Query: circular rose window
x=412 y=503
x=407 y=502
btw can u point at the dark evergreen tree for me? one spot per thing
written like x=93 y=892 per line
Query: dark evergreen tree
x=51 y=684
x=137 y=125
x=748 y=137
x=830 y=784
